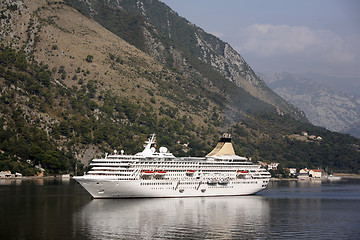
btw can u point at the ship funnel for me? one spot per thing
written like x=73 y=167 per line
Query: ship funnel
x=224 y=147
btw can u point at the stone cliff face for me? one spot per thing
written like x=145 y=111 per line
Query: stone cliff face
x=224 y=59
x=220 y=56
x=322 y=105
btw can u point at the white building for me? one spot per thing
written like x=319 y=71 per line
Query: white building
x=315 y=173
x=8 y=174
x=273 y=166
x=292 y=171
x=5 y=174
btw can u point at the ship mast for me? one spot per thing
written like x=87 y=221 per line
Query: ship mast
x=147 y=147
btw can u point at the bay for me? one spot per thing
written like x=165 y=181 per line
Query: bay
x=53 y=209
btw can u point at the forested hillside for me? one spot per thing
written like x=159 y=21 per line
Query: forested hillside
x=44 y=121
x=72 y=90
x=279 y=139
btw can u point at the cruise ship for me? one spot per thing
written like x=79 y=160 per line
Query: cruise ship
x=153 y=173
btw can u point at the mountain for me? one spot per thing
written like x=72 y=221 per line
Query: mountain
x=324 y=106
x=72 y=88
x=98 y=80
x=180 y=45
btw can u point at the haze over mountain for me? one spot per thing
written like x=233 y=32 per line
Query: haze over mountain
x=324 y=106
x=79 y=78
x=347 y=85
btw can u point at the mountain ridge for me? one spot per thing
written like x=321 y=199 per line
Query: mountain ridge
x=324 y=106
x=180 y=44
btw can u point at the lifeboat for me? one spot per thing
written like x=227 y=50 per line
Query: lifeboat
x=190 y=172
x=223 y=181
x=212 y=181
x=159 y=174
x=146 y=173
x=242 y=174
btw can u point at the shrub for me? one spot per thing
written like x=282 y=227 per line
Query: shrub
x=89 y=58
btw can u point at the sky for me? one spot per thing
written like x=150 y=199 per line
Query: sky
x=307 y=36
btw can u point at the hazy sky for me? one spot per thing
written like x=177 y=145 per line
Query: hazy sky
x=321 y=36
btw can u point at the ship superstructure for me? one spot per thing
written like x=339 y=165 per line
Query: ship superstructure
x=152 y=173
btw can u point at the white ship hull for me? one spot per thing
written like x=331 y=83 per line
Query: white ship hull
x=151 y=174
x=167 y=188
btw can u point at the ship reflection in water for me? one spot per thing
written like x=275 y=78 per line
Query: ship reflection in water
x=169 y=218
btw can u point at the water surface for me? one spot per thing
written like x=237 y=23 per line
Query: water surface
x=50 y=209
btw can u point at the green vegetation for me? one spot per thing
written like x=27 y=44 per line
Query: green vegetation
x=46 y=122
x=120 y=22
x=23 y=138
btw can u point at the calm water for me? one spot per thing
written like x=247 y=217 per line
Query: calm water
x=286 y=210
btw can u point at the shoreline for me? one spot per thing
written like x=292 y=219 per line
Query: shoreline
x=342 y=175
x=59 y=177
x=347 y=175
x=35 y=178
